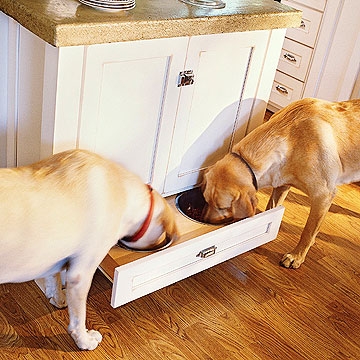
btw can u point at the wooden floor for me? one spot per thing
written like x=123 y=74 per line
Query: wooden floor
x=247 y=308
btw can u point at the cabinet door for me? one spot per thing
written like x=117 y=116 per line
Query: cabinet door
x=124 y=102
x=214 y=111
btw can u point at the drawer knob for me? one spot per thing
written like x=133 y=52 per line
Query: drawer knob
x=281 y=89
x=290 y=57
x=207 y=252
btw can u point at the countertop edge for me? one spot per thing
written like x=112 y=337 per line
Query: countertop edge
x=62 y=34
x=161 y=29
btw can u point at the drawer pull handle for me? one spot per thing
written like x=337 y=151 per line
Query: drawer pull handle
x=281 y=89
x=290 y=57
x=207 y=252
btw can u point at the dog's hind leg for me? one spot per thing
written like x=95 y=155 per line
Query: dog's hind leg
x=278 y=196
x=318 y=210
x=54 y=291
x=78 y=283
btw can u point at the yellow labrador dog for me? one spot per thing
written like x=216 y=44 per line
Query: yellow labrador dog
x=311 y=144
x=66 y=212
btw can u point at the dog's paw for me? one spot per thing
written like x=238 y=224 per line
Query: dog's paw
x=88 y=340
x=59 y=299
x=291 y=261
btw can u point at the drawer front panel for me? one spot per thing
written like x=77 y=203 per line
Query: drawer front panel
x=178 y=262
x=310 y=23
x=285 y=90
x=295 y=59
x=315 y=4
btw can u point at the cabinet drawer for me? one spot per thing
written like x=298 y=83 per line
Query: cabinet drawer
x=315 y=4
x=295 y=59
x=310 y=23
x=199 y=247
x=285 y=90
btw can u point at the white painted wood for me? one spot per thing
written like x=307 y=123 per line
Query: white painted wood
x=216 y=109
x=124 y=100
x=334 y=64
x=285 y=90
x=336 y=60
x=5 y=79
x=160 y=269
x=102 y=97
x=349 y=85
x=295 y=59
x=63 y=76
x=12 y=93
x=264 y=86
x=356 y=91
x=315 y=4
x=307 y=32
x=30 y=92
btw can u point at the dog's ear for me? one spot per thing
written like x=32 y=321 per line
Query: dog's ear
x=244 y=205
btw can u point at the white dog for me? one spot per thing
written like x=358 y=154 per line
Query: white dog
x=66 y=212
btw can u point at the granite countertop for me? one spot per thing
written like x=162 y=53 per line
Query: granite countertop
x=69 y=23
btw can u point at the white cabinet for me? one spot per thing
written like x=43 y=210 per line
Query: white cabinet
x=122 y=100
x=321 y=57
x=134 y=111
x=215 y=111
x=130 y=94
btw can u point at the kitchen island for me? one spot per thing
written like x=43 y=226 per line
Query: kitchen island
x=165 y=89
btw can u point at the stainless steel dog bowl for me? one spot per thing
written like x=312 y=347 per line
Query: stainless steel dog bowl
x=191 y=204
x=162 y=245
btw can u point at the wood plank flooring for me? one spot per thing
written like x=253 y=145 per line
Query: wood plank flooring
x=247 y=308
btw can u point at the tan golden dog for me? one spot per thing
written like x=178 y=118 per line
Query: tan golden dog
x=66 y=212
x=311 y=144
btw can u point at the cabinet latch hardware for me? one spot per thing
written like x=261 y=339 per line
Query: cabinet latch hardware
x=281 y=89
x=207 y=252
x=186 y=78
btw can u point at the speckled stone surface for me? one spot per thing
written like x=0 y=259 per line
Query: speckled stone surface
x=68 y=22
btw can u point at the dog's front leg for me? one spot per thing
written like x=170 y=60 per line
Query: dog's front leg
x=278 y=196
x=318 y=210
x=77 y=289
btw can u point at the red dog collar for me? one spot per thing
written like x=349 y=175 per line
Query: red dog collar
x=146 y=223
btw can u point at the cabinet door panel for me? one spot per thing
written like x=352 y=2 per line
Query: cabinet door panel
x=215 y=110
x=124 y=95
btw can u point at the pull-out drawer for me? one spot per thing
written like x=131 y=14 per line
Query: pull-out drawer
x=310 y=24
x=285 y=90
x=135 y=274
x=295 y=59
x=315 y=4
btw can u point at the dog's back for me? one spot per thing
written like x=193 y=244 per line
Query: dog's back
x=47 y=210
x=305 y=130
